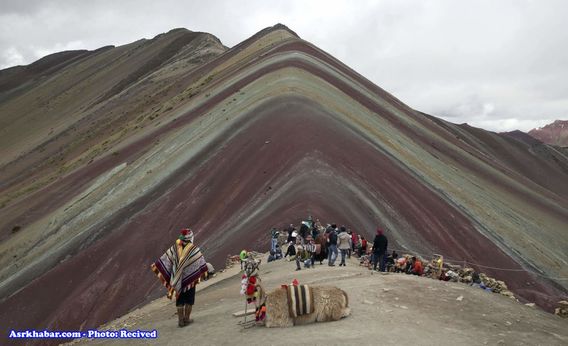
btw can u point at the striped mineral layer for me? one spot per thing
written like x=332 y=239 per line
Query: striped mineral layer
x=105 y=154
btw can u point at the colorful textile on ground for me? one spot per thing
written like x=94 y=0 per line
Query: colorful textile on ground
x=300 y=300
x=180 y=268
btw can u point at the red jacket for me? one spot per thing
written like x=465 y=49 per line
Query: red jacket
x=417 y=268
x=354 y=238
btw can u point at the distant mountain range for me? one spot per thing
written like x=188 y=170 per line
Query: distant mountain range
x=553 y=134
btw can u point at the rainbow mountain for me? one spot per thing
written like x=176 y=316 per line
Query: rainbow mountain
x=106 y=154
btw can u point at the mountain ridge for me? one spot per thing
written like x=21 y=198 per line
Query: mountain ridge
x=246 y=139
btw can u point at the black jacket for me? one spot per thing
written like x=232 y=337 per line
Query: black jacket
x=380 y=244
x=291 y=251
x=332 y=238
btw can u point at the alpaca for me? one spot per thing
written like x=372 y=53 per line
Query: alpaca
x=330 y=304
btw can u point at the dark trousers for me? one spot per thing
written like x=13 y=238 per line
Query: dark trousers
x=379 y=258
x=186 y=298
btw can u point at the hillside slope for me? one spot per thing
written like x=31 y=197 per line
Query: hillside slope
x=143 y=139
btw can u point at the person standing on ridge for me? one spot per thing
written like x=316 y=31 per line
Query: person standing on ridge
x=180 y=269
x=290 y=230
x=344 y=244
x=291 y=251
x=354 y=242
x=363 y=248
x=332 y=246
x=380 y=244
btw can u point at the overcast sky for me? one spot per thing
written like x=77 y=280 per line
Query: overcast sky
x=499 y=65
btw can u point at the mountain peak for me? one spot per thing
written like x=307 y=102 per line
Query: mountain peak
x=280 y=26
x=555 y=133
x=180 y=131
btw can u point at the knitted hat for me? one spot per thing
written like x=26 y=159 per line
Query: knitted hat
x=186 y=235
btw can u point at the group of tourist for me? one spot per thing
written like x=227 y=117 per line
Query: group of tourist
x=312 y=242
x=394 y=263
x=182 y=266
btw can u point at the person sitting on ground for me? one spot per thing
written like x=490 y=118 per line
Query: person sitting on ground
x=275 y=255
x=366 y=260
x=417 y=268
x=443 y=276
x=271 y=256
x=400 y=265
x=391 y=260
x=448 y=275
x=475 y=279
x=344 y=244
x=454 y=277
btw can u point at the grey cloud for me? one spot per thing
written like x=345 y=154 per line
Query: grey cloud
x=27 y=7
x=492 y=64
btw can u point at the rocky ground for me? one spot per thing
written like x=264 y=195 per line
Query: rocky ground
x=387 y=309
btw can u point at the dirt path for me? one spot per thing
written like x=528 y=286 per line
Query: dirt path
x=393 y=309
